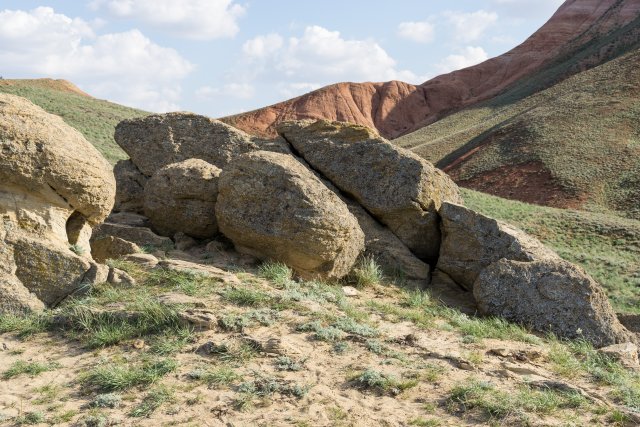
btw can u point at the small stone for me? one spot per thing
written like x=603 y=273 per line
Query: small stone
x=199 y=318
x=625 y=353
x=144 y=260
x=350 y=291
x=184 y=242
x=174 y=298
x=119 y=277
x=138 y=344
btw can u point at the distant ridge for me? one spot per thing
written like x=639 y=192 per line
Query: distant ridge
x=397 y=108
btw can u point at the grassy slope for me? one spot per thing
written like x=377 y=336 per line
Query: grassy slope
x=94 y=118
x=608 y=247
x=584 y=132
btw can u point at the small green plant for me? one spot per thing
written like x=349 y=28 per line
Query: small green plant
x=320 y=332
x=424 y=422
x=367 y=273
x=122 y=376
x=77 y=249
x=378 y=382
x=350 y=326
x=20 y=367
x=216 y=378
x=277 y=273
x=30 y=418
x=107 y=400
x=152 y=401
x=285 y=363
x=246 y=297
x=341 y=347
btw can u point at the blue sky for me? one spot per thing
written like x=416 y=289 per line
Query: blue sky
x=220 y=57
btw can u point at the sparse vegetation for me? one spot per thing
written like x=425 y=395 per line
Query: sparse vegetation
x=378 y=382
x=367 y=273
x=155 y=398
x=21 y=367
x=119 y=376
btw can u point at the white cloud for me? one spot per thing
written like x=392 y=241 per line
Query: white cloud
x=321 y=56
x=262 y=46
x=291 y=90
x=192 y=19
x=469 y=27
x=467 y=57
x=124 y=67
x=233 y=90
x=421 y=32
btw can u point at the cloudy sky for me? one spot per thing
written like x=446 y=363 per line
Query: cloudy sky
x=220 y=57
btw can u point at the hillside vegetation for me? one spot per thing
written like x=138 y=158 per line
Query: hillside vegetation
x=94 y=118
x=575 y=144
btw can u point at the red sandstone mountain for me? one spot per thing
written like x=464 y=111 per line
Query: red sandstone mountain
x=397 y=108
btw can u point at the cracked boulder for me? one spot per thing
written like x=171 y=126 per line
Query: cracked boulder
x=181 y=197
x=472 y=241
x=400 y=189
x=550 y=295
x=54 y=187
x=273 y=207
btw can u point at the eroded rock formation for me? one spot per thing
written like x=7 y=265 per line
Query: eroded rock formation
x=54 y=187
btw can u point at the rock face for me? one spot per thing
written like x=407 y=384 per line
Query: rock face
x=159 y=140
x=549 y=295
x=130 y=184
x=181 y=197
x=472 y=241
x=54 y=187
x=395 y=108
x=388 y=251
x=397 y=187
x=271 y=206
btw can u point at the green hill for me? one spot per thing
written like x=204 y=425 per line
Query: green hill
x=94 y=118
x=574 y=144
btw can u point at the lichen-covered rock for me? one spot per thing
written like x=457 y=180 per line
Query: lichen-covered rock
x=181 y=197
x=472 y=241
x=399 y=188
x=54 y=185
x=158 y=140
x=111 y=247
x=549 y=295
x=271 y=206
x=130 y=183
x=141 y=236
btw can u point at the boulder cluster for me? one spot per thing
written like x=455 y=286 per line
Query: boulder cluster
x=324 y=194
x=319 y=197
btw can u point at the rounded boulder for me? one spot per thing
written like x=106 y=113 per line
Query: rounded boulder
x=273 y=207
x=181 y=197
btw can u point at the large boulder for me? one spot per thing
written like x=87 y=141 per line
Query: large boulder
x=181 y=197
x=549 y=295
x=399 y=188
x=130 y=183
x=54 y=186
x=158 y=140
x=472 y=241
x=271 y=206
